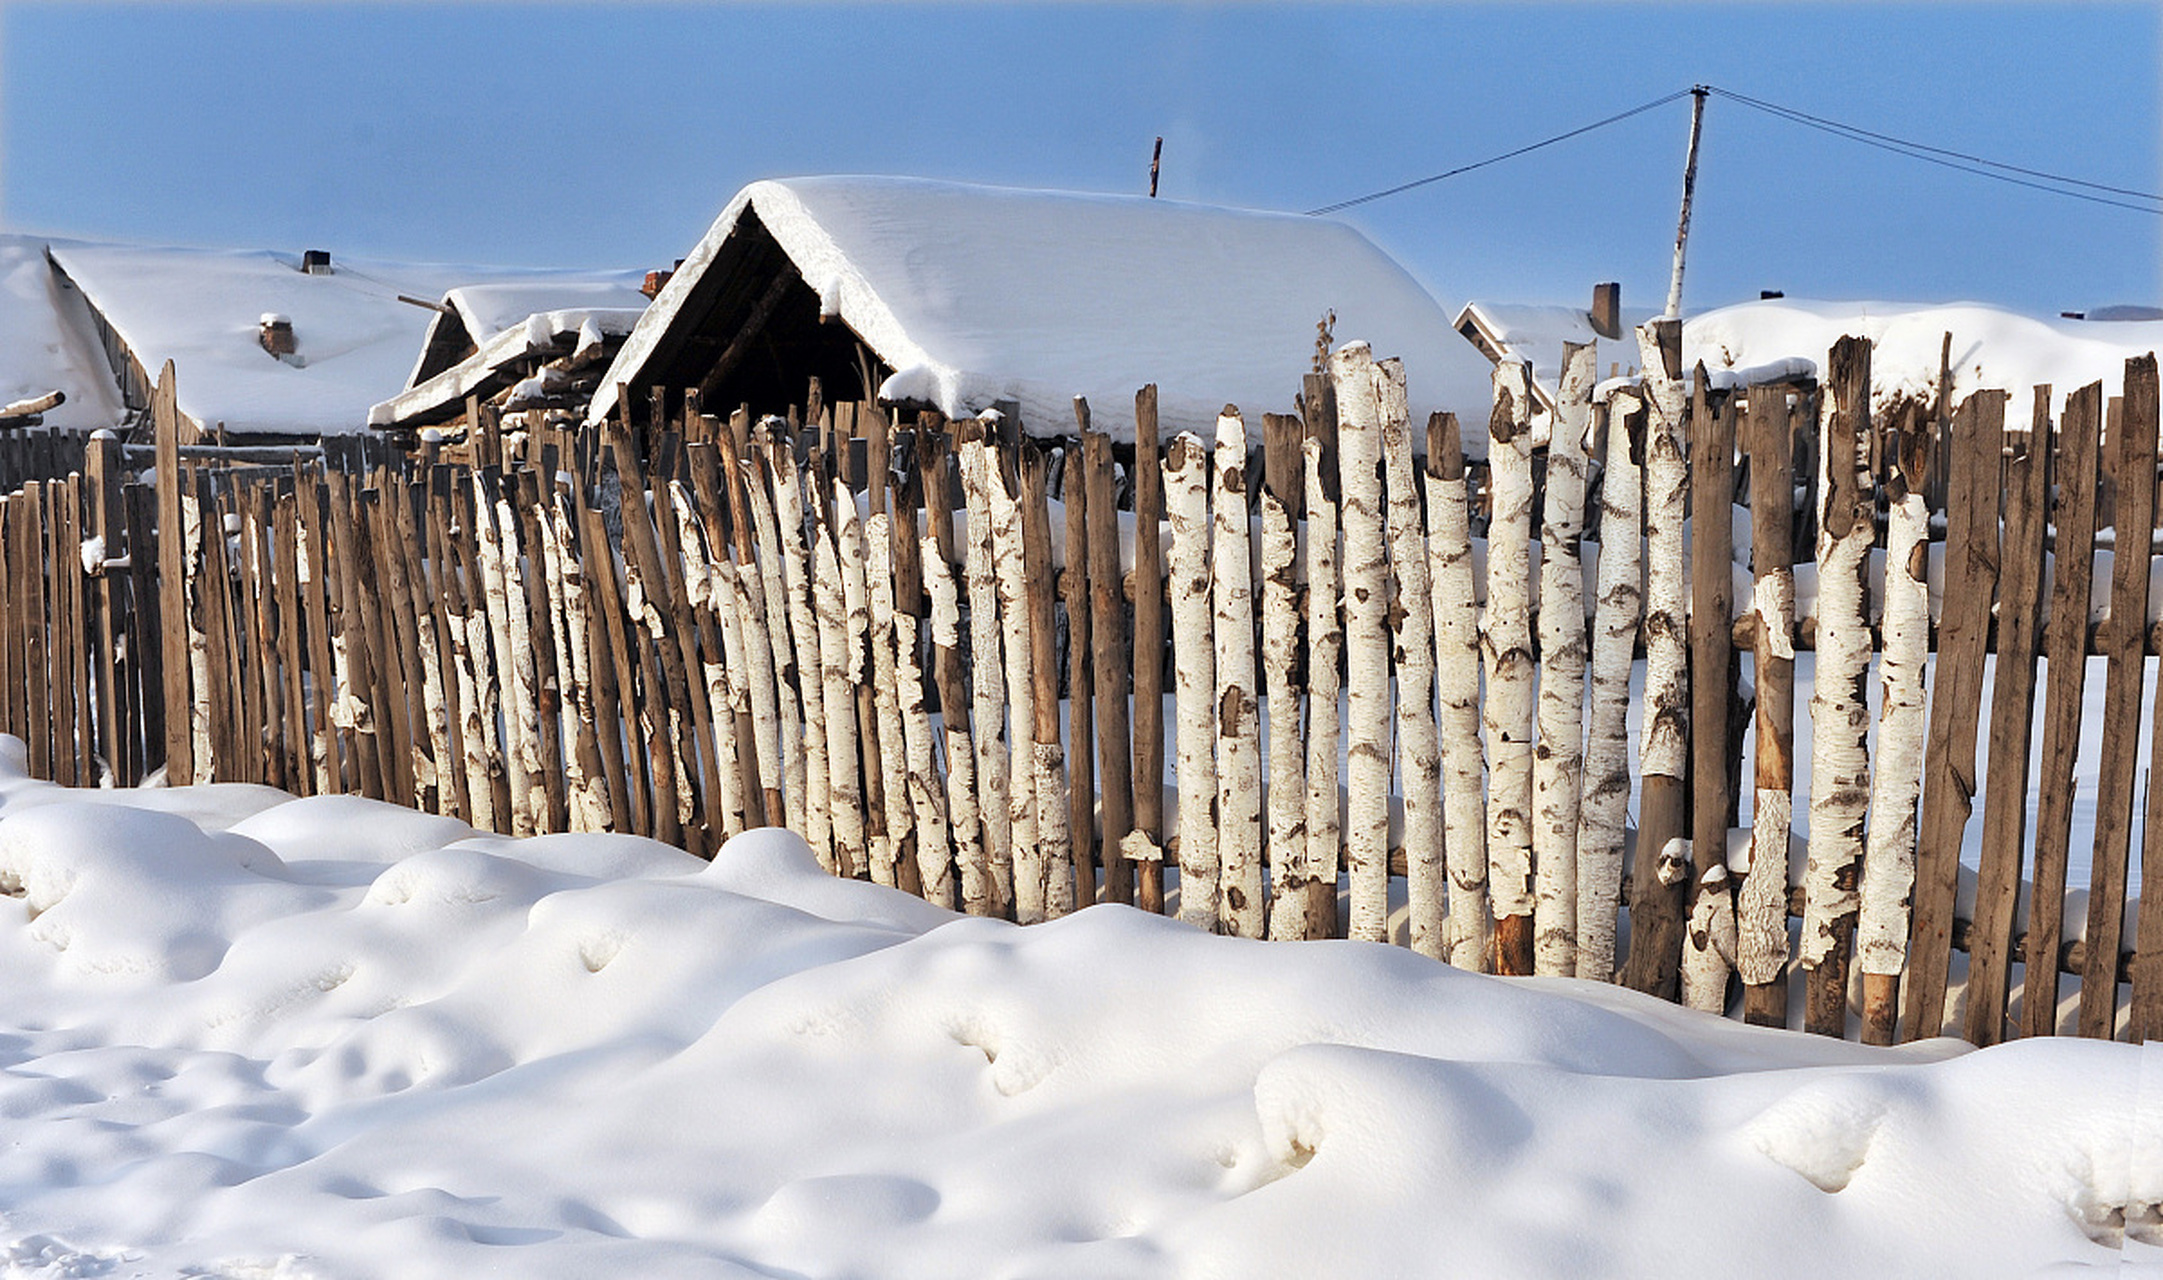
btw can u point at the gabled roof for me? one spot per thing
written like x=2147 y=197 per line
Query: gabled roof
x=579 y=336
x=972 y=295
x=204 y=310
x=473 y=316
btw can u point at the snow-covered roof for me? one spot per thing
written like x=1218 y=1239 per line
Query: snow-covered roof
x=203 y=309
x=1789 y=337
x=474 y=315
x=977 y=294
x=48 y=342
x=580 y=334
x=1992 y=348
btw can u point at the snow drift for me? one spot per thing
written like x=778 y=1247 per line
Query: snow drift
x=248 y=1035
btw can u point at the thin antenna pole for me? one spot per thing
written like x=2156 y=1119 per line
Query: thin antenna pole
x=1154 y=158
x=1689 y=189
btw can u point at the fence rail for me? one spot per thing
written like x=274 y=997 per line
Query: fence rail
x=943 y=656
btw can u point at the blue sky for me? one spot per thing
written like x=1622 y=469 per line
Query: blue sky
x=565 y=134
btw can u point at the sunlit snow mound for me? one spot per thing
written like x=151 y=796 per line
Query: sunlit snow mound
x=248 y=1035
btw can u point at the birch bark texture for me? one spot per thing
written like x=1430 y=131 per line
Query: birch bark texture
x=1186 y=502
x=987 y=679
x=1840 y=782
x=1657 y=898
x=1888 y=870
x=1607 y=748
x=1411 y=618
x=1558 y=759
x=887 y=688
x=1243 y=905
x=818 y=828
x=1366 y=613
x=970 y=856
x=1506 y=645
x=876 y=851
x=1028 y=867
x=1325 y=655
x=1280 y=663
x=1457 y=686
x=1761 y=904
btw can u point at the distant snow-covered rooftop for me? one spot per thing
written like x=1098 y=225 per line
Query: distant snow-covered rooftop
x=203 y=309
x=583 y=330
x=1992 y=348
x=977 y=294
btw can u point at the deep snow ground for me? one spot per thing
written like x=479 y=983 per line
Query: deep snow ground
x=244 y=1035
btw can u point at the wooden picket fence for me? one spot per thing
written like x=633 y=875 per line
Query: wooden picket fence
x=944 y=657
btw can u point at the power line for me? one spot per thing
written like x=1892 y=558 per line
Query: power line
x=1961 y=161
x=1507 y=155
x=1859 y=134
x=2017 y=175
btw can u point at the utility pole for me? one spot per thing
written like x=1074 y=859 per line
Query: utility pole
x=1689 y=188
x=1154 y=157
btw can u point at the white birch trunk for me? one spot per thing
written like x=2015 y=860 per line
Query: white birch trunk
x=306 y=561
x=1607 y=750
x=434 y=705
x=1841 y=800
x=1287 y=785
x=590 y=799
x=755 y=674
x=1457 y=676
x=358 y=712
x=971 y=859
x=1708 y=948
x=1507 y=646
x=1031 y=863
x=515 y=684
x=569 y=689
x=1366 y=614
x=1761 y=903
x=484 y=763
x=1664 y=737
x=849 y=550
x=547 y=556
x=1325 y=651
x=781 y=666
x=1558 y=762
x=1242 y=903
x=1056 y=845
x=1186 y=504
x=886 y=691
x=1412 y=636
x=818 y=805
x=987 y=681
x=1888 y=880
x=844 y=790
x=716 y=671
x=526 y=728
x=927 y=803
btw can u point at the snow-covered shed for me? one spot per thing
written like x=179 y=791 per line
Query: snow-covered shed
x=956 y=297
x=264 y=344
x=523 y=344
x=1535 y=333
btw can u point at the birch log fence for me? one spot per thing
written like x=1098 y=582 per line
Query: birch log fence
x=896 y=638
